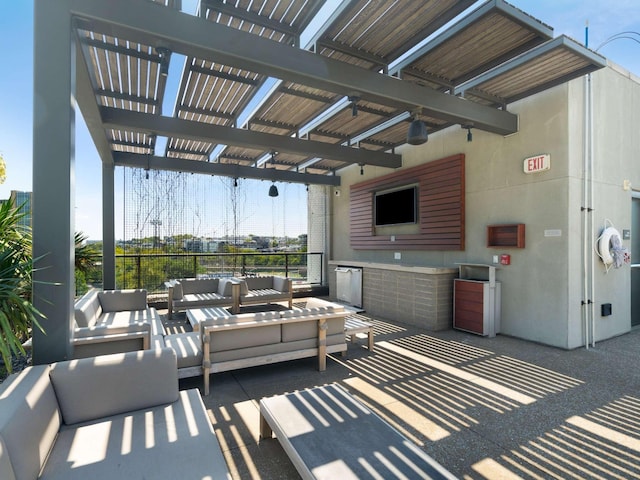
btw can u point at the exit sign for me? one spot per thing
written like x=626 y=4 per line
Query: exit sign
x=536 y=164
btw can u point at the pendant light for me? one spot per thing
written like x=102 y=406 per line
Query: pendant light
x=417 y=134
x=273 y=190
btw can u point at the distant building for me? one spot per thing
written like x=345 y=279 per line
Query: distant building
x=21 y=201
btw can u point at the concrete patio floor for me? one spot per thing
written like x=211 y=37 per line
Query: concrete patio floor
x=482 y=407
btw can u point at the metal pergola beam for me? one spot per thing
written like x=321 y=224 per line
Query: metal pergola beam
x=222 y=169
x=168 y=126
x=146 y=23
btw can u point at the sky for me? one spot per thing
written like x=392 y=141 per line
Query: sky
x=567 y=17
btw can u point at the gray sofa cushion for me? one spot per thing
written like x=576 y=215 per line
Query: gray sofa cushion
x=273 y=349
x=146 y=378
x=177 y=289
x=294 y=331
x=261 y=296
x=225 y=287
x=121 y=300
x=165 y=441
x=87 y=309
x=258 y=283
x=29 y=420
x=194 y=300
x=121 y=319
x=199 y=285
x=219 y=317
x=188 y=348
x=245 y=337
x=244 y=288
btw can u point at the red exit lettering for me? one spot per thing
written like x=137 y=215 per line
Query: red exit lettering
x=536 y=164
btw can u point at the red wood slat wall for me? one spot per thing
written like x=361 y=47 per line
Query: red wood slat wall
x=440 y=208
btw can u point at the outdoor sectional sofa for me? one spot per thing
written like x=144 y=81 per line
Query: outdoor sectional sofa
x=227 y=342
x=112 y=416
x=233 y=292
x=185 y=293
x=114 y=321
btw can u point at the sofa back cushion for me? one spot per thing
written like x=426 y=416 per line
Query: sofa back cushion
x=225 y=286
x=282 y=284
x=199 y=285
x=177 y=290
x=266 y=333
x=122 y=300
x=29 y=422
x=259 y=283
x=293 y=331
x=244 y=338
x=97 y=387
x=87 y=309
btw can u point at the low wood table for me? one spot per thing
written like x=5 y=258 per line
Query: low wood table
x=328 y=434
x=353 y=326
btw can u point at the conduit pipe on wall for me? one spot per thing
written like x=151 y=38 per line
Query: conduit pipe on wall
x=588 y=261
x=588 y=232
x=583 y=210
x=592 y=235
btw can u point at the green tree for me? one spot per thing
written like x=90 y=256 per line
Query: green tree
x=17 y=312
x=85 y=262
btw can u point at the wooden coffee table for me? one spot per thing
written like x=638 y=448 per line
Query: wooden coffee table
x=328 y=434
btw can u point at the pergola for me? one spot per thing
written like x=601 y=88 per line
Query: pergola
x=284 y=90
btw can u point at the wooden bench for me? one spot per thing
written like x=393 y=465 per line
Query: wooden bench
x=353 y=325
x=328 y=434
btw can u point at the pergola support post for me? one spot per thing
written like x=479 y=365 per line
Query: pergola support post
x=53 y=212
x=108 y=227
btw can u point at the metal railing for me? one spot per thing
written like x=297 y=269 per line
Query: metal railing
x=151 y=270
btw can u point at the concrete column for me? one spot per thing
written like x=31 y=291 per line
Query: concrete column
x=53 y=179
x=108 y=227
x=317 y=232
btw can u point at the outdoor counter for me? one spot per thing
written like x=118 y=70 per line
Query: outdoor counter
x=412 y=294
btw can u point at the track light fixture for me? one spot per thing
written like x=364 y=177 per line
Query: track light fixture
x=362 y=169
x=468 y=127
x=165 y=55
x=417 y=134
x=235 y=182
x=354 y=104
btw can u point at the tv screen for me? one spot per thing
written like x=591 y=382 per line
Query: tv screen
x=395 y=207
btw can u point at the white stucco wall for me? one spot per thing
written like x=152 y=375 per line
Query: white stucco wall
x=616 y=119
x=542 y=288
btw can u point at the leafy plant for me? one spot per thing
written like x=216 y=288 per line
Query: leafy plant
x=85 y=262
x=17 y=312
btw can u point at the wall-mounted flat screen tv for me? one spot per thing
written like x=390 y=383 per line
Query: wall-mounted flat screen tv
x=396 y=207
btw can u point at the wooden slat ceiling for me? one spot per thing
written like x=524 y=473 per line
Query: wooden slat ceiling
x=374 y=33
x=542 y=68
x=403 y=38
